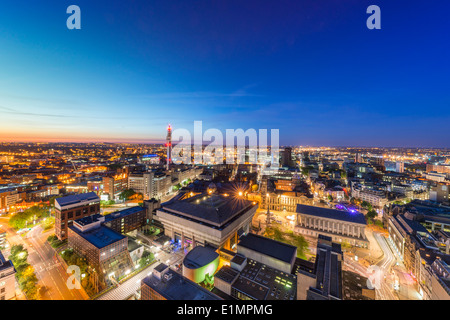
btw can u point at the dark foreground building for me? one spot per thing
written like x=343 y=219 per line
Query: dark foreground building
x=166 y=284
x=324 y=282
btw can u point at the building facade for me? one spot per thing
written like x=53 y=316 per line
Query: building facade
x=70 y=208
x=341 y=226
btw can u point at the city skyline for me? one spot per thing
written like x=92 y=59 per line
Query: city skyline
x=319 y=75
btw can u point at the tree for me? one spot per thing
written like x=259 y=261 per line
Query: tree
x=372 y=214
x=21 y=219
x=25 y=272
x=126 y=194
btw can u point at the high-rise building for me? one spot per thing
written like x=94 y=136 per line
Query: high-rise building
x=440 y=193
x=169 y=147
x=399 y=166
x=104 y=249
x=70 y=208
x=286 y=157
x=114 y=185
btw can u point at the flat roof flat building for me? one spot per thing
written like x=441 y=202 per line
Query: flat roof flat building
x=341 y=226
x=207 y=219
x=273 y=253
x=70 y=208
x=166 y=284
x=105 y=250
x=261 y=270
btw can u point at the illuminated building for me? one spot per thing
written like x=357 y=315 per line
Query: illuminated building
x=339 y=225
x=439 y=169
x=126 y=220
x=262 y=269
x=70 y=208
x=207 y=219
x=169 y=147
x=399 y=167
x=376 y=198
x=150 y=159
x=440 y=193
x=9 y=197
x=142 y=183
x=113 y=186
x=199 y=263
x=105 y=250
x=285 y=201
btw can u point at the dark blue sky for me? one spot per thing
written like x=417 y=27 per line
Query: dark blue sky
x=309 y=68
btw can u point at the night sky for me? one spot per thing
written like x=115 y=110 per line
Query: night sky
x=311 y=69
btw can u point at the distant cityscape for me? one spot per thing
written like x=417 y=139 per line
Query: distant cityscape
x=330 y=223
x=248 y=153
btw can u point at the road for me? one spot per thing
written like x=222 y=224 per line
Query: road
x=385 y=264
x=51 y=274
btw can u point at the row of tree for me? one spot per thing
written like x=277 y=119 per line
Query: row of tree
x=130 y=194
x=25 y=272
x=21 y=219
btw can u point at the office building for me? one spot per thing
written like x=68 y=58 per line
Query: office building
x=127 y=220
x=70 y=208
x=377 y=198
x=114 y=185
x=440 y=193
x=399 y=167
x=105 y=250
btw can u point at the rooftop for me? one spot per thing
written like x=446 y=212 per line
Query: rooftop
x=212 y=209
x=78 y=198
x=89 y=219
x=238 y=259
x=199 y=257
x=100 y=237
x=178 y=288
x=353 y=217
x=278 y=250
x=265 y=283
x=123 y=213
x=5 y=264
x=226 y=274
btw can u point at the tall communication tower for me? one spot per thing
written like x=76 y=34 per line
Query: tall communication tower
x=169 y=147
